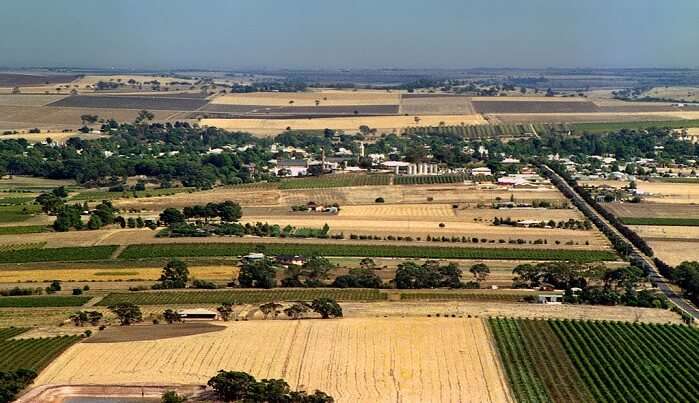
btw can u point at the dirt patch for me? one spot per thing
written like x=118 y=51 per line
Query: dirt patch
x=120 y=334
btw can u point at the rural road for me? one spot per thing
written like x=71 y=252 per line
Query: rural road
x=654 y=275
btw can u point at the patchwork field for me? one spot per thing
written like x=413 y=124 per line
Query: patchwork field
x=378 y=360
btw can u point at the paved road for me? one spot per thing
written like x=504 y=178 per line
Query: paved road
x=655 y=275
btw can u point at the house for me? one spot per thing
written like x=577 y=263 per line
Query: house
x=253 y=256
x=197 y=314
x=482 y=171
x=550 y=299
x=528 y=223
x=288 y=260
x=291 y=167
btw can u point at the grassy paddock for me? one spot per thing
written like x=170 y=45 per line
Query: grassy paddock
x=337 y=250
x=669 y=221
x=68 y=254
x=241 y=296
x=42 y=301
x=103 y=195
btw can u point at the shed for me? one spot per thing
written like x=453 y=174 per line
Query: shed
x=550 y=299
x=197 y=314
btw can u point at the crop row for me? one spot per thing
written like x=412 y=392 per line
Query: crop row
x=238 y=249
x=42 y=301
x=240 y=296
x=464 y=296
x=669 y=221
x=10 y=332
x=32 y=354
x=332 y=181
x=21 y=246
x=23 y=229
x=67 y=254
x=430 y=179
x=563 y=360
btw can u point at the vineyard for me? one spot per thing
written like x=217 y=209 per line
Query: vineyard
x=32 y=354
x=21 y=246
x=669 y=221
x=430 y=179
x=16 y=213
x=241 y=296
x=581 y=361
x=42 y=301
x=333 y=181
x=68 y=254
x=105 y=195
x=338 y=250
x=486 y=131
x=465 y=296
x=23 y=229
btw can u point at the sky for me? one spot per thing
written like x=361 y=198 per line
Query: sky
x=328 y=34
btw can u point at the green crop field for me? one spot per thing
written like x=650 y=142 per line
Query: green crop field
x=17 y=213
x=23 y=229
x=585 y=361
x=670 y=221
x=10 y=332
x=68 y=254
x=104 y=195
x=240 y=296
x=338 y=250
x=332 y=181
x=42 y=301
x=32 y=354
x=15 y=200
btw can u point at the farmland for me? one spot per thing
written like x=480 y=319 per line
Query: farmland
x=32 y=354
x=240 y=296
x=680 y=222
x=57 y=254
x=102 y=195
x=335 y=181
x=42 y=301
x=237 y=249
x=597 y=361
x=362 y=359
x=430 y=180
x=23 y=229
x=130 y=102
x=527 y=106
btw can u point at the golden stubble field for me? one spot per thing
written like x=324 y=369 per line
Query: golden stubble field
x=391 y=123
x=309 y=98
x=354 y=360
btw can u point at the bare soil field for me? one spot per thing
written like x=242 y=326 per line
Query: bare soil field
x=464 y=195
x=29 y=100
x=391 y=123
x=530 y=106
x=377 y=360
x=445 y=105
x=119 y=334
x=674 y=252
x=15 y=79
x=655 y=210
x=516 y=310
x=44 y=117
x=309 y=98
x=151 y=103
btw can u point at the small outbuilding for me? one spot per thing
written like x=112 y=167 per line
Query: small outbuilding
x=550 y=299
x=197 y=314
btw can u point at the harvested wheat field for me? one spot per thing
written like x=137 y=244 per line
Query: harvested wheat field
x=393 y=123
x=674 y=193
x=674 y=252
x=105 y=273
x=655 y=210
x=653 y=232
x=354 y=360
x=324 y=98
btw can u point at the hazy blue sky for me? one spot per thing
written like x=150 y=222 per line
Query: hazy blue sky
x=349 y=33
